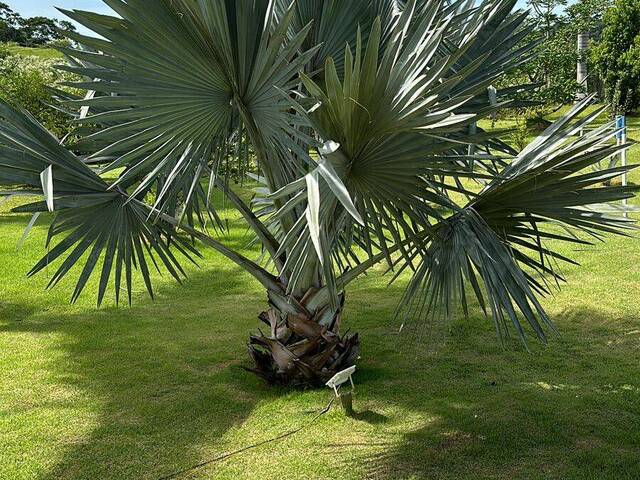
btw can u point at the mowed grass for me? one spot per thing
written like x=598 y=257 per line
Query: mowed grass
x=42 y=52
x=145 y=391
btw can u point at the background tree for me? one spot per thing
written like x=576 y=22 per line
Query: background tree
x=32 y=31
x=587 y=16
x=10 y=25
x=39 y=30
x=555 y=27
x=617 y=55
x=552 y=58
x=360 y=124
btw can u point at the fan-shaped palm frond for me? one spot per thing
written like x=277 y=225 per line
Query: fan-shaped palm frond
x=122 y=237
x=498 y=242
x=75 y=192
x=361 y=118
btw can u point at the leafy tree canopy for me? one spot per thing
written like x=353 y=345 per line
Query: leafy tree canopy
x=30 y=31
x=617 y=55
x=554 y=27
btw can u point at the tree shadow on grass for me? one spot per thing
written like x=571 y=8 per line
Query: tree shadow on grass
x=17 y=312
x=164 y=385
x=568 y=410
x=159 y=380
x=543 y=435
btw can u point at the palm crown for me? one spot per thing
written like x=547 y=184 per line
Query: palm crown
x=361 y=118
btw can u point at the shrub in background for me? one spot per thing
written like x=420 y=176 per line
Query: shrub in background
x=25 y=80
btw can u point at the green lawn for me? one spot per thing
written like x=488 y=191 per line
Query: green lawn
x=42 y=52
x=141 y=392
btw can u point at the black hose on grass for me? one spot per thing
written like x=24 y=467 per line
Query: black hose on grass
x=249 y=447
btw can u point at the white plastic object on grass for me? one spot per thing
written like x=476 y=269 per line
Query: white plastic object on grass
x=340 y=378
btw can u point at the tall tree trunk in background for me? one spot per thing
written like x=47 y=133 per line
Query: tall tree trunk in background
x=298 y=347
x=581 y=72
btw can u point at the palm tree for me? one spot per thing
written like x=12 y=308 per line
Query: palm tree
x=361 y=119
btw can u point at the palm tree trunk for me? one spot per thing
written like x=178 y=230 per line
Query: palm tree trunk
x=300 y=348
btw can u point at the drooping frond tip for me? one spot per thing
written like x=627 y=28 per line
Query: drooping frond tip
x=502 y=245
